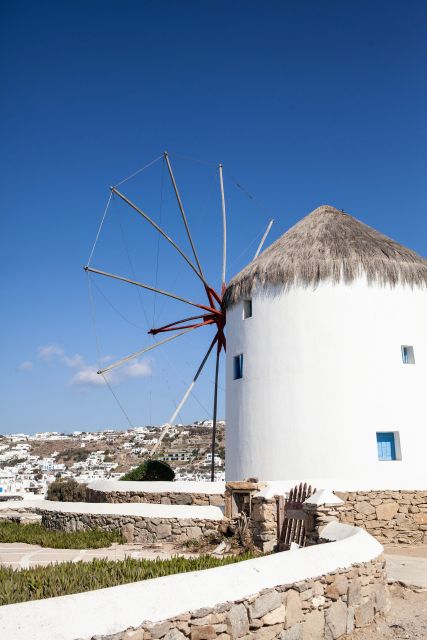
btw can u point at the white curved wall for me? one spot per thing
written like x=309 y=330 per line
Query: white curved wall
x=323 y=373
x=110 y=611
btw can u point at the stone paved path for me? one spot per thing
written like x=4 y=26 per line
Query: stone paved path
x=405 y=565
x=410 y=571
x=21 y=556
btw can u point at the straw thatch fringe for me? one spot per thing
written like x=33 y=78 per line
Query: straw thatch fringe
x=329 y=245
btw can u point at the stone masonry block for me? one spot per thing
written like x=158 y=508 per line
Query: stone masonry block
x=313 y=627
x=264 y=604
x=336 y=621
x=387 y=511
x=293 y=608
x=364 y=614
x=237 y=621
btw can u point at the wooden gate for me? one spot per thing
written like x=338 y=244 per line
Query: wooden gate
x=292 y=522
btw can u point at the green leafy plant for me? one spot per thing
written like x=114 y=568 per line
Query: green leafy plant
x=66 y=490
x=76 y=577
x=151 y=471
x=38 y=534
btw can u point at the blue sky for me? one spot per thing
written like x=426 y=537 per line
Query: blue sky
x=305 y=103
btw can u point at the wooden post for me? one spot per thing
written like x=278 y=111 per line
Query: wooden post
x=224 y=228
x=215 y=407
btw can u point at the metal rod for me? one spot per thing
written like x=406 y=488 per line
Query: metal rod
x=139 y=353
x=224 y=227
x=181 y=207
x=205 y=323
x=184 y=398
x=178 y=322
x=267 y=231
x=148 y=287
x=214 y=416
x=160 y=230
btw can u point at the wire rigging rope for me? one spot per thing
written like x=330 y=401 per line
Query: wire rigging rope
x=98 y=349
x=238 y=184
x=125 y=244
x=196 y=160
x=150 y=393
x=99 y=229
x=248 y=195
x=252 y=242
x=132 y=175
x=118 y=401
x=165 y=354
x=158 y=239
x=119 y=313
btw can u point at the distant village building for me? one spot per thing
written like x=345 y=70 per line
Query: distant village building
x=327 y=358
x=176 y=456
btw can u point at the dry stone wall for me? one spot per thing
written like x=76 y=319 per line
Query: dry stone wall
x=167 y=497
x=393 y=517
x=135 y=529
x=264 y=523
x=324 y=608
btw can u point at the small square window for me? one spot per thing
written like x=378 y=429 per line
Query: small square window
x=408 y=356
x=388 y=445
x=247 y=309
x=238 y=367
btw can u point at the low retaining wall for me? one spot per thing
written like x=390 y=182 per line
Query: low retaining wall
x=180 y=493
x=142 y=523
x=169 y=497
x=318 y=593
x=327 y=607
x=142 y=530
x=393 y=517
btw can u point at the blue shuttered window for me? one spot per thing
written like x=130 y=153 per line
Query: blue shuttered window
x=386 y=446
x=408 y=356
x=238 y=367
x=247 y=309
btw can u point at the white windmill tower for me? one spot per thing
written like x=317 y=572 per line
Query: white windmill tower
x=327 y=358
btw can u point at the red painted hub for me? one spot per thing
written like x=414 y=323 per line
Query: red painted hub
x=215 y=314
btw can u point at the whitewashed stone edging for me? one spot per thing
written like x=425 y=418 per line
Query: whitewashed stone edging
x=133 y=509
x=189 y=493
x=177 y=486
x=315 y=593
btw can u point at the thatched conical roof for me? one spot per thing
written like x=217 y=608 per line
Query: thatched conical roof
x=329 y=244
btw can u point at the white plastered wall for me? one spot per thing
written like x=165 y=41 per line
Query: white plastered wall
x=323 y=372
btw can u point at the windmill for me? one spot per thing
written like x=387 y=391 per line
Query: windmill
x=210 y=312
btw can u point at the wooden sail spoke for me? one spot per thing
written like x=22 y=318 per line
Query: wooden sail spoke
x=149 y=288
x=184 y=398
x=162 y=232
x=263 y=239
x=132 y=356
x=181 y=208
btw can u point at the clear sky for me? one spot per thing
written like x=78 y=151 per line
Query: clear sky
x=305 y=102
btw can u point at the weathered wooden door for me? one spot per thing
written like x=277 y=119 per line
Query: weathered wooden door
x=292 y=521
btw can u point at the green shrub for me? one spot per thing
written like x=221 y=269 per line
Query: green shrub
x=151 y=471
x=66 y=490
x=76 y=577
x=37 y=534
